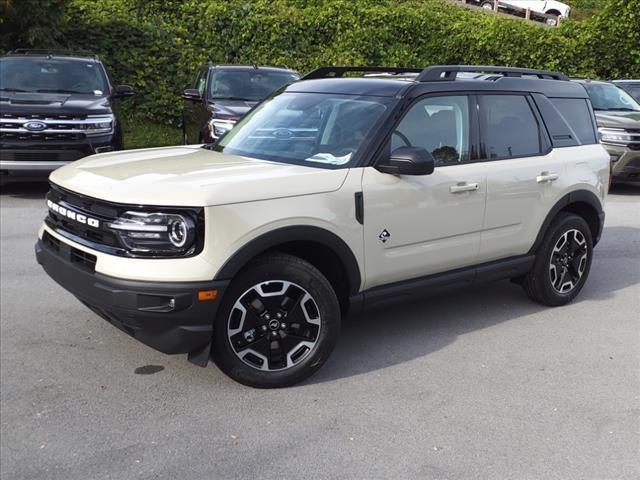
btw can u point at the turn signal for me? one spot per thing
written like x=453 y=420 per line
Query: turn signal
x=204 y=295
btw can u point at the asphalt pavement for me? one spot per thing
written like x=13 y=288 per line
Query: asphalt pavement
x=479 y=383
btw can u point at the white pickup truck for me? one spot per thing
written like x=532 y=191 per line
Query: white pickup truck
x=547 y=7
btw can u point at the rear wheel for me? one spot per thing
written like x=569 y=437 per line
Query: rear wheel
x=563 y=262
x=278 y=323
x=487 y=5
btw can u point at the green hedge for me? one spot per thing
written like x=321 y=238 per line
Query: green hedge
x=155 y=45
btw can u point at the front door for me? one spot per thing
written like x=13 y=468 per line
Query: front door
x=420 y=225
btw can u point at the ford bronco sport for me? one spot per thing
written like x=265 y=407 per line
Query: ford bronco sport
x=55 y=107
x=333 y=195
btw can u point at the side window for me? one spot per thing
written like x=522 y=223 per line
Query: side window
x=508 y=127
x=438 y=124
x=577 y=115
x=200 y=81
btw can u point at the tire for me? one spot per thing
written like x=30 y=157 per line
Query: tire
x=278 y=323
x=563 y=262
x=487 y=5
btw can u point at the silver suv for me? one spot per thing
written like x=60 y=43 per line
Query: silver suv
x=332 y=196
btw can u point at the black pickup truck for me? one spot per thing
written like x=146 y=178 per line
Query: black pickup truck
x=55 y=107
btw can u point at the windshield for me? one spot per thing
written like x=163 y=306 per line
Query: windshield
x=251 y=85
x=309 y=128
x=606 y=96
x=51 y=76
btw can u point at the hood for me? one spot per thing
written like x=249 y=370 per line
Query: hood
x=54 y=103
x=626 y=120
x=230 y=109
x=190 y=176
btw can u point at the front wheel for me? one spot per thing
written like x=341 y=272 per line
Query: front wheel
x=278 y=323
x=563 y=262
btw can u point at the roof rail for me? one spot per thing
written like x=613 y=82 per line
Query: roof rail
x=53 y=52
x=449 y=72
x=337 y=72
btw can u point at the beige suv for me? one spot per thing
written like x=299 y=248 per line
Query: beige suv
x=331 y=196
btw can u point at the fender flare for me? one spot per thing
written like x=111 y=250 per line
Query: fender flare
x=297 y=233
x=578 y=196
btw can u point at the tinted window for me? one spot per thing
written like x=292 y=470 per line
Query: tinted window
x=508 y=126
x=576 y=113
x=52 y=76
x=438 y=124
x=252 y=85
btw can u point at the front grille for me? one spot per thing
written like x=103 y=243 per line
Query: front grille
x=51 y=136
x=102 y=211
x=41 y=155
x=15 y=127
x=82 y=259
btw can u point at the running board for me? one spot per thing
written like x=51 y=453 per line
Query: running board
x=442 y=282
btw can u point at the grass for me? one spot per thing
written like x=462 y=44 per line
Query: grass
x=145 y=134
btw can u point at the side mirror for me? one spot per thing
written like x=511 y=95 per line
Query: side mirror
x=192 y=94
x=123 y=91
x=408 y=161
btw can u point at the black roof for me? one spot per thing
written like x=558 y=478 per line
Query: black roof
x=400 y=81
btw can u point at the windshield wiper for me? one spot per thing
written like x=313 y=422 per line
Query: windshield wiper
x=57 y=90
x=233 y=98
x=618 y=109
x=10 y=89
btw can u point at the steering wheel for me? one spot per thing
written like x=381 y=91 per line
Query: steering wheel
x=78 y=85
x=403 y=137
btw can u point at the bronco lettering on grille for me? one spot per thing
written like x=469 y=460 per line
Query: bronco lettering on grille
x=70 y=214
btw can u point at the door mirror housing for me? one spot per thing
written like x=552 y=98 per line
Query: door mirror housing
x=408 y=161
x=123 y=91
x=192 y=94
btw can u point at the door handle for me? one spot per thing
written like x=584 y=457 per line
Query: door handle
x=464 y=187
x=545 y=177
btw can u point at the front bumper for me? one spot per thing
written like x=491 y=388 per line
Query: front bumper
x=626 y=167
x=165 y=316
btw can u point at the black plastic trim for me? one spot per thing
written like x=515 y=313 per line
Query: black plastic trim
x=284 y=235
x=440 y=282
x=578 y=196
x=143 y=310
x=359 y=200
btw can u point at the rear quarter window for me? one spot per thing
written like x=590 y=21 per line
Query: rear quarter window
x=577 y=114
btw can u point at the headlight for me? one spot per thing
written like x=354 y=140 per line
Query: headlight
x=99 y=124
x=156 y=233
x=614 y=135
x=219 y=127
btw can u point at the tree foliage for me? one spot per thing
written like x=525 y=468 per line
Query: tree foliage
x=156 y=45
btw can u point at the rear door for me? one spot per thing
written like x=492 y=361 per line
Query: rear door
x=420 y=225
x=525 y=177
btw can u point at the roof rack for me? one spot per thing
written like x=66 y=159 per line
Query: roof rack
x=448 y=72
x=53 y=52
x=337 y=72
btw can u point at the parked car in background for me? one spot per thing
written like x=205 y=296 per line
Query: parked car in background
x=547 y=7
x=55 y=107
x=632 y=87
x=618 y=118
x=221 y=94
